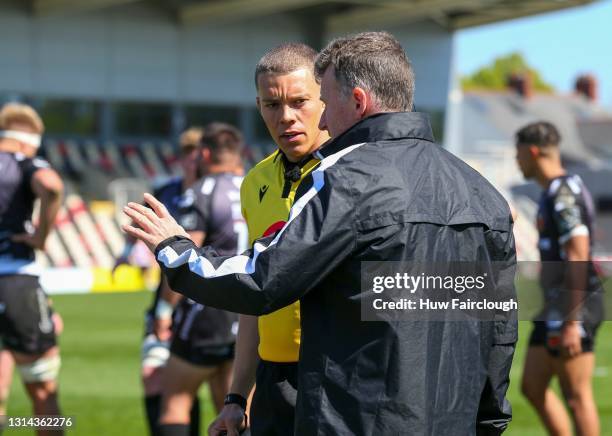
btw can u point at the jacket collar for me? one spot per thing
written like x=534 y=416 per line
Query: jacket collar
x=381 y=127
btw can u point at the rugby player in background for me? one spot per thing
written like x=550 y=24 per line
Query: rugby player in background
x=7 y=363
x=158 y=318
x=562 y=341
x=267 y=348
x=202 y=346
x=26 y=319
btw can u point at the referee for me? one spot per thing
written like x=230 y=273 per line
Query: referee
x=288 y=101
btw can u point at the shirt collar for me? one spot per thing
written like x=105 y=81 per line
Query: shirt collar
x=382 y=127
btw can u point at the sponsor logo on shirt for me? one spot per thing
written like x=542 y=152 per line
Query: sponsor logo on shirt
x=262 y=192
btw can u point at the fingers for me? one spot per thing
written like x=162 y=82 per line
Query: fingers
x=28 y=239
x=150 y=214
x=224 y=426
x=159 y=208
x=21 y=237
x=138 y=217
x=137 y=233
x=213 y=431
x=217 y=428
x=24 y=238
x=571 y=350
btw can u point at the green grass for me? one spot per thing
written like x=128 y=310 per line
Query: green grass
x=100 y=376
x=100 y=384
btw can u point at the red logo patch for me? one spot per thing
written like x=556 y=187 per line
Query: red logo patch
x=274 y=228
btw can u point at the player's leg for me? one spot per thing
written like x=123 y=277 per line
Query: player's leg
x=29 y=333
x=181 y=383
x=39 y=374
x=575 y=376
x=220 y=383
x=7 y=364
x=537 y=374
x=155 y=354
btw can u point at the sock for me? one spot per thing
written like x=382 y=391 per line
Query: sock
x=194 y=428
x=173 y=429
x=153 y=408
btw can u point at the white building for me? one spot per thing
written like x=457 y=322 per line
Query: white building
x=134 y=69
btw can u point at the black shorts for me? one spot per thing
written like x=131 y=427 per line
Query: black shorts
x=273 y=407
x=26 y=323
x=543 y=335
x=202 y=336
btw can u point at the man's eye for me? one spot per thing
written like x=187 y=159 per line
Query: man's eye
x=300 y=101
x=271 y=104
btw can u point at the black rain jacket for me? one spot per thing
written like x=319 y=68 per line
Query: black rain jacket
x=383 y=191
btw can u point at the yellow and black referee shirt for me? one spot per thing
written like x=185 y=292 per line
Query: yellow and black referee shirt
x=266 y=197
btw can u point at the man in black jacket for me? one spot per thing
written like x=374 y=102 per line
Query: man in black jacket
x=384 y=191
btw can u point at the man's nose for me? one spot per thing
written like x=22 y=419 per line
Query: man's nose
x=288 y=115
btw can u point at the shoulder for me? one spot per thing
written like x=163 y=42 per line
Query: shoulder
x=163 y=185
x=205 y=186
x=35 y=163
x=264 y=167
x=418 y=178
x=565 y=192
x=566 y=185
x=32 y=167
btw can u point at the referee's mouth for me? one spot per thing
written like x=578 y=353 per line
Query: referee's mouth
x=292 y=137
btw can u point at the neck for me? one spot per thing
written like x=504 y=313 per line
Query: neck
x=224 y=167
x=548 y=172
x=322 y=138
x=189 y=180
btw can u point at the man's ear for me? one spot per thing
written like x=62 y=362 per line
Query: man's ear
x=258 y=104
x=534 y=151
x=361 y=101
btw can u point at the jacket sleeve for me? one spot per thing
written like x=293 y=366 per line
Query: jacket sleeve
x=277 y=270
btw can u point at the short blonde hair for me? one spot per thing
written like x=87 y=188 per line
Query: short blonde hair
x=191 y=137
x=19 y=113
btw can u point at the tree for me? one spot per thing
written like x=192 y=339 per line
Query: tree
x=495 y=76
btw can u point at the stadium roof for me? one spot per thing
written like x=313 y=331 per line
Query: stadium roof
x=340 y=15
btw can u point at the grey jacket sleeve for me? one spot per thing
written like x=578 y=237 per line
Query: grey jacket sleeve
x=277 y=270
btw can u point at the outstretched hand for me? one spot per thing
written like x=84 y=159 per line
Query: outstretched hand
x=154 y=225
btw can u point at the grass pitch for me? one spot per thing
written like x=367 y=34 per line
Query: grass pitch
x=100 y=382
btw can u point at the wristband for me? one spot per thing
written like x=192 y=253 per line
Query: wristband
x=235 y=399
x=163 y=309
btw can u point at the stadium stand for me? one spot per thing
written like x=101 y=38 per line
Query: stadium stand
x=99 y=181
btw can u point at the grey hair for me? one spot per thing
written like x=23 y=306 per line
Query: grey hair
x=374 y=61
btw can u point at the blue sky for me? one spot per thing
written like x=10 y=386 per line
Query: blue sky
x=560 y=45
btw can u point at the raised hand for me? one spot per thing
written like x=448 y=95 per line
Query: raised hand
x=154 y=225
